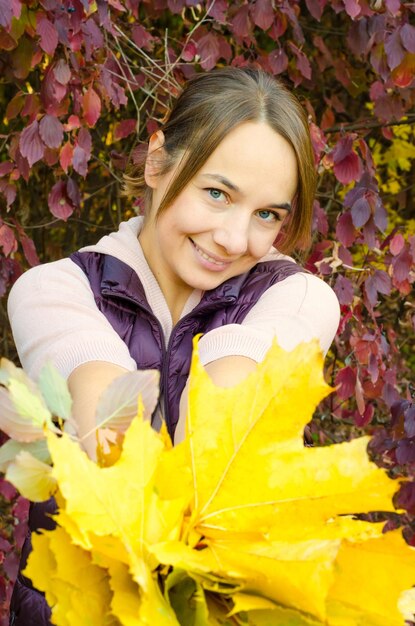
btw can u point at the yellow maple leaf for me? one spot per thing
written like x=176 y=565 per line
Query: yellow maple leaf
x=256 y=522
x=77 y=590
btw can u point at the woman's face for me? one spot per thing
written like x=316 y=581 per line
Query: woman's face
x=228 y=216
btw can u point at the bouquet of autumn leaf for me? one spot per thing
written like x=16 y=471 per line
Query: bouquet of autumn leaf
x=240 y=524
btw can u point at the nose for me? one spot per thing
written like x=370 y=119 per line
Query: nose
x=232 y=235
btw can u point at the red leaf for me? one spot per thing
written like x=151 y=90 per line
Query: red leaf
x=52 y=92
x=404 y=74
x=318 y=140
x=15 y=106
x=30 y=143
x=217 y=10
x=189 y=52
x=358 y=37
x=408 y=37
x=73 y=122
x=48 y=35
x=11 y=565
x=345 y=256
x=405 y=451
x=59 y=203
x=29 y=250
x=9 y=191
x=5 y=168
x=373 y=368
x=363 y=419
x=303 y=64
x=379 y=282
x=91 y=106
x=125 y=128
x=6 y=13
x=396 y=244
x=208 y=50
x=352 y=7
x=405 y=498
x=73 y=192
x=51 y=131
x=114 y=91
x=7 y=240
x=316 y=8
x=6 y=42
x=360 y=212
x=31 y=105
x=51 y=156
x=80 y=161
x=320 y=222
x=263 y=13
x=225 y=50
x=382 y=282
x=117 y=5
x=394 y=6
x=93 y=37
x=342 y=148
x=142 y=37
x=346 y=378
x=349 y=169
x=62 y=72
x=360 y=401
x=176 y=6
x=394 y=50
x=241 y=24
x=84 y=140
x=369 y=233
x=380 y=216
x=345 y=230
x=344 y=290
x=402 y=264
x=278 y=61
x=279 y=26
x=65 y=157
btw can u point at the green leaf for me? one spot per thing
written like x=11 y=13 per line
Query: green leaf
x=55 y=391
x=29 y=404
x=117 y=406
x=31 y=477
x=187 y=598
x=10 y=449
x=279 y=617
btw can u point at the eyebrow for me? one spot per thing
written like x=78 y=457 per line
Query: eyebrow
x=227 y=183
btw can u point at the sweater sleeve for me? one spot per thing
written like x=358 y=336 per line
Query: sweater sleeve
x=54 y=317
x=297 y=309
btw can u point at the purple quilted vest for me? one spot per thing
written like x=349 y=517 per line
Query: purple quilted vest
x=119 y=295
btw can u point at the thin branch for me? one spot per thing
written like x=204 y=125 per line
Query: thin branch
x=125 y=77
x=369 y=125
x=108 y=168
x=35 y=226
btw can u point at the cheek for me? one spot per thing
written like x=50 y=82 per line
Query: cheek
x=261 y=244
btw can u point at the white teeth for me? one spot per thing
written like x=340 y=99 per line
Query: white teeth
x=207 y=257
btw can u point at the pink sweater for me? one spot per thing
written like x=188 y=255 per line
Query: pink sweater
x=54 y=317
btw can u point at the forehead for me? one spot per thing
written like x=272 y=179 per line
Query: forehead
x=256 y=159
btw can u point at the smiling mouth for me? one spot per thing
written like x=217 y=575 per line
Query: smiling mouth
x=207 y=257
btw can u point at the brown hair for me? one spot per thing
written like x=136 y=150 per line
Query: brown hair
x=208 y=108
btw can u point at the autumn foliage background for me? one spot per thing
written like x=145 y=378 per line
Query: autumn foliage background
x=84 y=83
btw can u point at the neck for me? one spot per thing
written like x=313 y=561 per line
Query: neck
x=176 y=294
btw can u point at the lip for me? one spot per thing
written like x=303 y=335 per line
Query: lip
x=213 y=263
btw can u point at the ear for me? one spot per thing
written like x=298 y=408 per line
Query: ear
x=155 y=158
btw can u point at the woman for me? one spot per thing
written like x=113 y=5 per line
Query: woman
x=231 y=172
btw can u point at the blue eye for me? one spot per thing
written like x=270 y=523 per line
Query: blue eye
x=269 y=216
x=216 y=194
